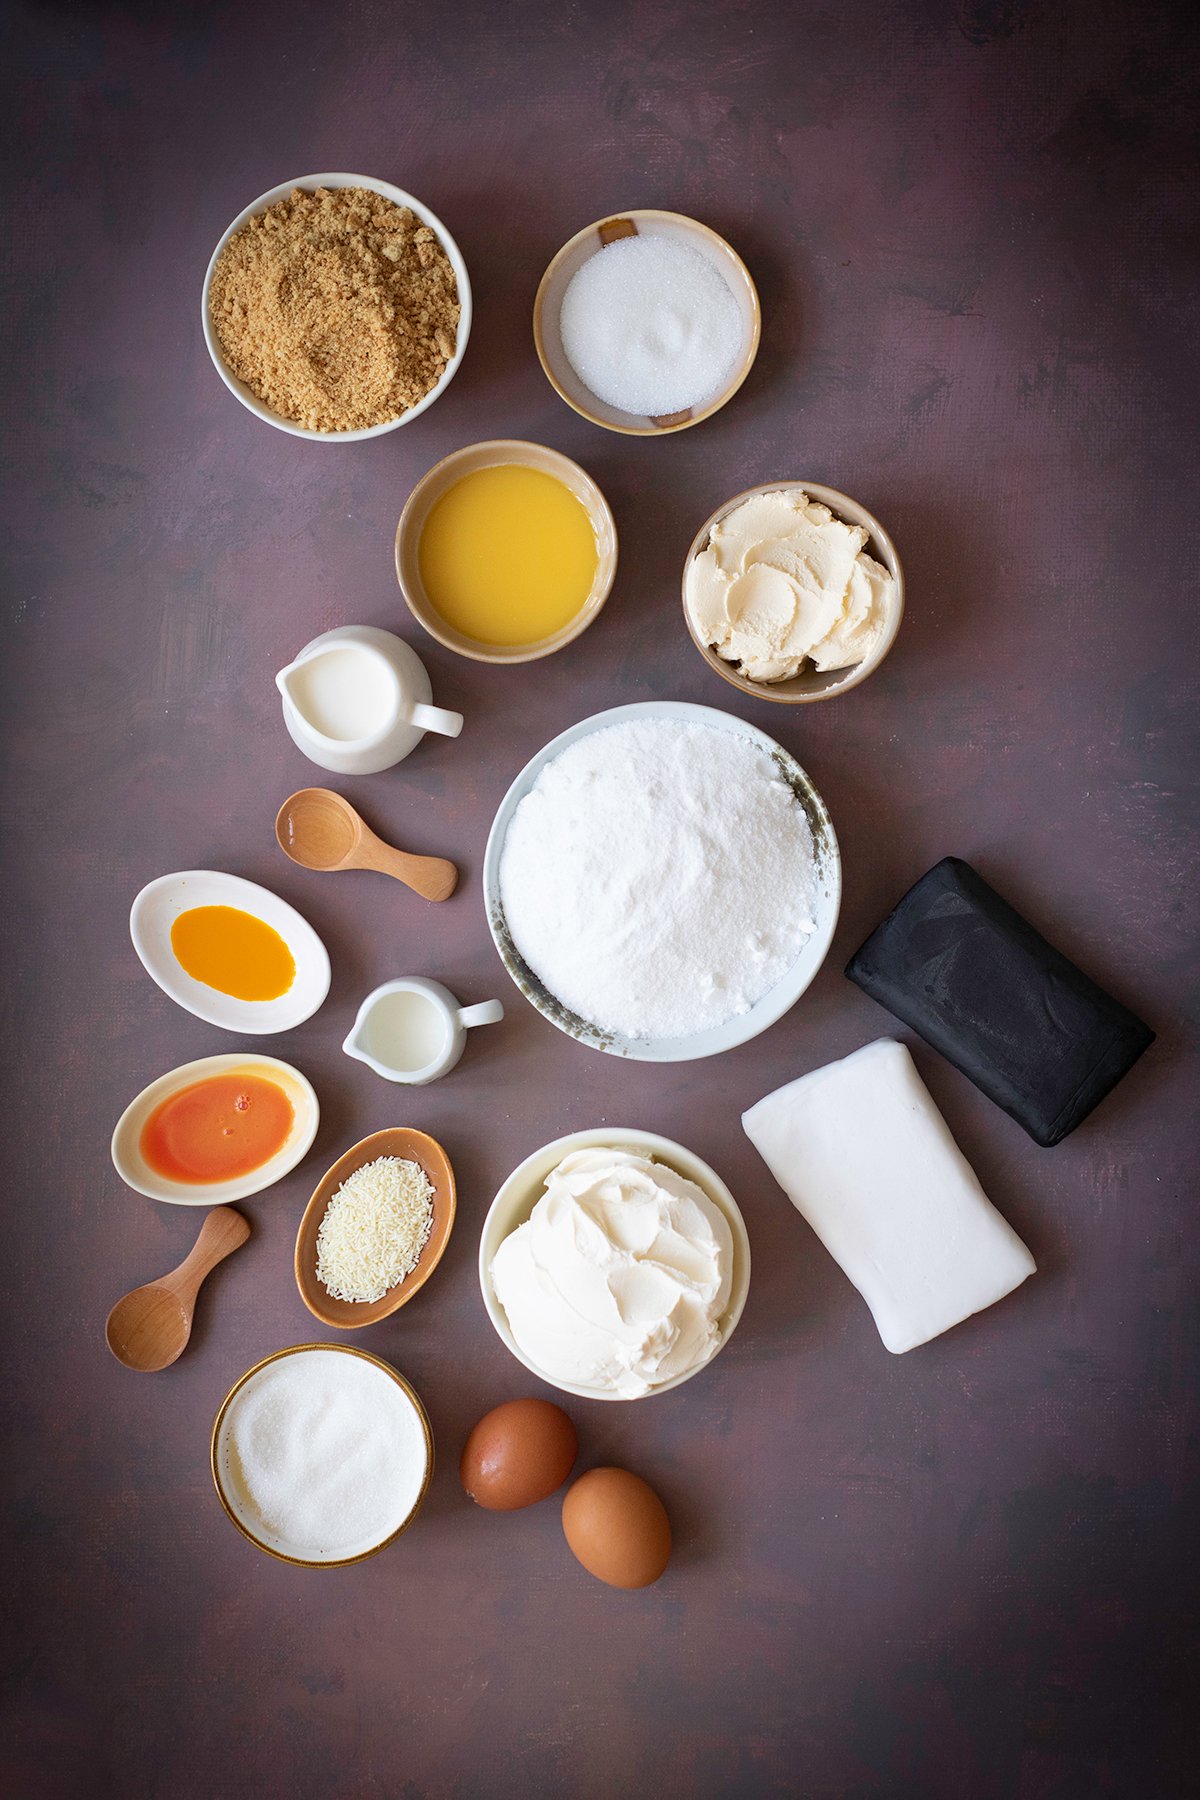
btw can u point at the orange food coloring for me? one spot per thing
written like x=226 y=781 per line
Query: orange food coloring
x=218 y=1129
x=234 y=952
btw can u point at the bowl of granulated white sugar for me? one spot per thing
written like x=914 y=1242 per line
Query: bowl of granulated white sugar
x=662 y=881
x=646 y=322
x=322 y=1455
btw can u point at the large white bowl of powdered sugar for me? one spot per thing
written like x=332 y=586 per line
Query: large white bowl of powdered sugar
x=662 y=881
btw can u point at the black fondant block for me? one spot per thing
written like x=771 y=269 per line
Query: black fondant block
x=954 y=961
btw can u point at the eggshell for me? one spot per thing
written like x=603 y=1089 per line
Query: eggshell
x=518 y=1454
x=618 y=1527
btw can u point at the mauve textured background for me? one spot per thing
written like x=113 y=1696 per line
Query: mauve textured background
x=968 y=1573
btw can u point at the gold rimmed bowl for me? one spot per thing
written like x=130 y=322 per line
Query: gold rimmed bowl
x=811 y=684
x=547 y=309
x=234 y=1494
x=411 y=1146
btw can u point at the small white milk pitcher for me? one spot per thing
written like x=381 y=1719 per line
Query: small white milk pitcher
x=357 y=700
x=414 y=1030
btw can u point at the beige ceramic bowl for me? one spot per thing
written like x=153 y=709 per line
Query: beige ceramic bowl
x=810 y=684
x=136 y=1172
x=588 y=243
x=236 y=1502
x=398 y=197
x=488 y=456
x=524 y=1188
x=413 y=1146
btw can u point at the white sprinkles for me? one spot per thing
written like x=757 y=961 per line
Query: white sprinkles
x=374 y=1229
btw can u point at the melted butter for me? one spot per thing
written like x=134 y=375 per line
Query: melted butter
x=508 y=555
x=233 y=952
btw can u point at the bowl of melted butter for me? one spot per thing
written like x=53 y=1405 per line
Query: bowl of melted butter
x=506 y=551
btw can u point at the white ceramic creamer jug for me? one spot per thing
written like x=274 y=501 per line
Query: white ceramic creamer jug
x=414 y=1030
x=357 y=700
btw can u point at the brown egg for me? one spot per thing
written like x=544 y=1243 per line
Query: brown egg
x=518 y=1454
x=618 y=1527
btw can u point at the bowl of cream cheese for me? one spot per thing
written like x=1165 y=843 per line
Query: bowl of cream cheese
x=614 y=1264
x=793 y=592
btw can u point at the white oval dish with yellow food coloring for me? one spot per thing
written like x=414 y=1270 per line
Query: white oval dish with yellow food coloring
x=161 y=903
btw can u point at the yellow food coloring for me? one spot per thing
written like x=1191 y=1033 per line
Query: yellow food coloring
x=234 y=952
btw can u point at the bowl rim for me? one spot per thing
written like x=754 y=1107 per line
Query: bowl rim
x=844 y=507
x=367 y=1150
x=250 y=895
x=401 y=1381
x=675 y=1156
x=603 y=524
x=772 y=1005
x=335 y=179
x=725 y=248
x=218 y=1193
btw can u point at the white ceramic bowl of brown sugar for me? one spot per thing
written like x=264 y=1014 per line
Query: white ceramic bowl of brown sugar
x=425 y=363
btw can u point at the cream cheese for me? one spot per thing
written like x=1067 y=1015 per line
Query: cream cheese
x=783 y=580
x=619 y=1277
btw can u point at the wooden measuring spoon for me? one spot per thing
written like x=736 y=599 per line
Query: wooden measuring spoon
x=320 y=830
x=150 y=1327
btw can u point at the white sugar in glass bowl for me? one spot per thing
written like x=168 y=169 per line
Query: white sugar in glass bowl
x=778 y=999
x=399 y=198
x=524 y=1188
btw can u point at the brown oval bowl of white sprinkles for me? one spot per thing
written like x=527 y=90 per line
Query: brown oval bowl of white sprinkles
x=376 y=1228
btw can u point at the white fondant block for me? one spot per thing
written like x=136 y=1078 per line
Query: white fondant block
x=863 y=1153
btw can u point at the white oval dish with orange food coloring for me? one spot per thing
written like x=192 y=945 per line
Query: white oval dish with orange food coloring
x=135 y=1153
x=210 y=961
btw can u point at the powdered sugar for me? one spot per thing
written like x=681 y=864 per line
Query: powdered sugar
x=659 y=877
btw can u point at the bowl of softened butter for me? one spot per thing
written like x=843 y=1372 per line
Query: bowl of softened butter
x=609 y=1326
x=506 y=551
x=793 y=592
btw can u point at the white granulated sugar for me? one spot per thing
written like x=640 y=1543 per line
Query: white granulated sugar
x=659 y=877
x=650 y=325
x=374 y=1229
x=329 y=1452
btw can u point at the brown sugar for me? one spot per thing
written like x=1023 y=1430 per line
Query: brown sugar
x=338 y=309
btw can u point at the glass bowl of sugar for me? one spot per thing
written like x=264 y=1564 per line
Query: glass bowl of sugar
x=322 y=1455
x=646 y=322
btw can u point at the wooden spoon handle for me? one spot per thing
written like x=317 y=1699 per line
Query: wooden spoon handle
x=430 y=876
x=224 y=1231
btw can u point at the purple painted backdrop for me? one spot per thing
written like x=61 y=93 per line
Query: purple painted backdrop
x=967 y=1572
